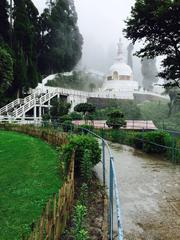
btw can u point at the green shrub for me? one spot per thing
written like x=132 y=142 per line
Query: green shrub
x=88 y=127
x=86 y=167
x=67 y=126
x=81 y=143
x=152 y=140
x=79 y=230
x=83 y=199
x=64 y=118
x=76 y=116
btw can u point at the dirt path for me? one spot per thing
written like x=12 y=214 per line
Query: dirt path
x=150 y=194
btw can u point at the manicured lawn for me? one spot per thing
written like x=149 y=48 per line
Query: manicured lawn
x=28 y=177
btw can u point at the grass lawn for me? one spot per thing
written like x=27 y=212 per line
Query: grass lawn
x=28 y=178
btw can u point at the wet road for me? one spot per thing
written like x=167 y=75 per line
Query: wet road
x=150 y=194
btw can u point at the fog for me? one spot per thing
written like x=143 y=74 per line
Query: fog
x=101 y=23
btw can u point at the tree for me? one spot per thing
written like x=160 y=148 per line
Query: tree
x=149 y=72
x=26 y=34
x=85 y=108
x=62 y=42
x=116 y=119
x=130 y=59
x=174 y=103
x=92 y=86
x=59 y=108
x=20 y=74
x=157 y=23
x=6 y=72
x=4 y=23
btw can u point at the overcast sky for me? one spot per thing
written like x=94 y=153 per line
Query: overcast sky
x=100 y=22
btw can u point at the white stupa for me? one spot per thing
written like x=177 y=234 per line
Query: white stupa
x=119 y=79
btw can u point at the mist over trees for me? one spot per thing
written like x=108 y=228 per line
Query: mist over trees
x=130 y=52
x=149 y=72
x=36 y=44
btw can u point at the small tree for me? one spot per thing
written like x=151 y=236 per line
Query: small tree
x=59 y=108
x=86 y=109
x=92 y=86
x=116 y=119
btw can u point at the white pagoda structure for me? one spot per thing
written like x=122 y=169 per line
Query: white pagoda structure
x=119 y=79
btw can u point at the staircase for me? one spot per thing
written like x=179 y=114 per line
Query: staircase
x=19 y=107
x=38 y=100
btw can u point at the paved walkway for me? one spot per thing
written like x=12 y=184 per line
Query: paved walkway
x=150 y=194
x=130 y=124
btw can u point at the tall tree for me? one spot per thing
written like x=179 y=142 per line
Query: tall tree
x=20 y=74
x=157 y=23
x=130 y=59
x=26 y=34
x=4 y=23
x=6 y=72
x=149 y=72
x=61 y=39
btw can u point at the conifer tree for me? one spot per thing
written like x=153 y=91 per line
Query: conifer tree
x=62 y=41
x=20 y=74
x=26 y=34
x=4 y=23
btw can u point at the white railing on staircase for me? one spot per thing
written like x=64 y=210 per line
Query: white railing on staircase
x=10 y=106
x=20 y=112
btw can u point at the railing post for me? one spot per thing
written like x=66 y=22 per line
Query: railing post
x=104 y=162
x=111 y=180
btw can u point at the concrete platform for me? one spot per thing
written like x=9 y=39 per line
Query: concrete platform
x=131 y=124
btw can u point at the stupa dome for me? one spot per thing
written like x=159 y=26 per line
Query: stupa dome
x=120 y=77
x=122 y=70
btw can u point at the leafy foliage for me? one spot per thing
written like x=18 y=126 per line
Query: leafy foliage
x=81 y=143
x=87 y=167
x=158 y=25
x=152 y=140
x=80 y=233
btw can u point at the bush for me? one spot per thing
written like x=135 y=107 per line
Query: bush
x=75 y=116
x=88 y=127
x=87 y=167
x=79 y=230
x=67 y=126
x=152 y=140
x=81 y=143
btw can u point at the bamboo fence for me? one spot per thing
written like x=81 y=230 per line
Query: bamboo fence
x=57 y=211
x=49 y=135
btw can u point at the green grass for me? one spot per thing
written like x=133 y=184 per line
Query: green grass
x=28 y=177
